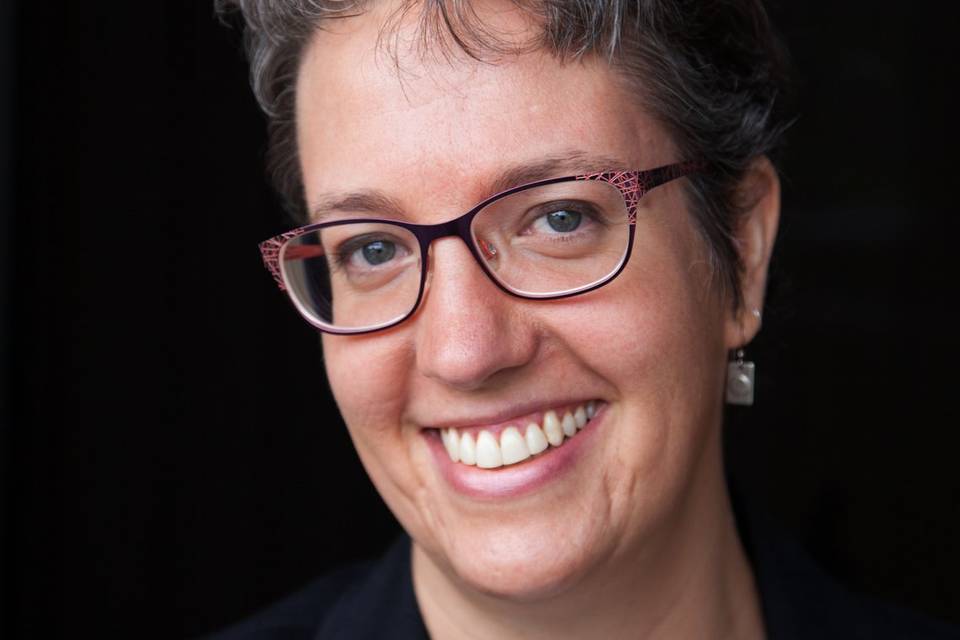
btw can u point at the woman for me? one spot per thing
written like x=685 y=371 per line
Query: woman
x=536 y=240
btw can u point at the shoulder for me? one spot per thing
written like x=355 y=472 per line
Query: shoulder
x=801 y=600
x=367 y=600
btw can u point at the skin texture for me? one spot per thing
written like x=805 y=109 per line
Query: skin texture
x=639 y=532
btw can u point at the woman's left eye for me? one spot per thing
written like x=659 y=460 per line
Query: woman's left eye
x=562 y=221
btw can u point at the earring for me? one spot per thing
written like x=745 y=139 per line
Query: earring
x=741 y=376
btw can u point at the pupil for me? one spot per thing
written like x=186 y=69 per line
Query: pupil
x=563 y=220
x=379 y=251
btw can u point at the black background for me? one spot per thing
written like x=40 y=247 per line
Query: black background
x=171 y=457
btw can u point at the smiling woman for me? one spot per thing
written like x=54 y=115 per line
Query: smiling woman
x=538 y=243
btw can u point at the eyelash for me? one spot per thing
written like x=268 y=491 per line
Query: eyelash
x=586 y=210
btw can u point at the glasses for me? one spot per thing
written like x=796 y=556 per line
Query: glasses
x=552 y=238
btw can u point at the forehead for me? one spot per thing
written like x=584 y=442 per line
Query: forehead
x=374 y=110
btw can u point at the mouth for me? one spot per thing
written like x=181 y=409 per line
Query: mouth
x=516 y=441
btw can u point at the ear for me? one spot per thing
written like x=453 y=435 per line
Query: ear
x=754 y=236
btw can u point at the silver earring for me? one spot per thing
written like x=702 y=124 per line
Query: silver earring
x=741 y=376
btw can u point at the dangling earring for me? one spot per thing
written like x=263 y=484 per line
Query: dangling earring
x=741 y=376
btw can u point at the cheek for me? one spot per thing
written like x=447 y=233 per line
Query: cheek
x=661 y=316
x=368 y=376
x=655 y=336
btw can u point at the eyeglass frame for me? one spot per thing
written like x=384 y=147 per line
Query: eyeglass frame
x=632 y=185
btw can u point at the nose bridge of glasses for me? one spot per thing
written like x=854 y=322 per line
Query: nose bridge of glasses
x=459 y=227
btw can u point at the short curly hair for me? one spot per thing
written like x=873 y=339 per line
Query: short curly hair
x=712 y=72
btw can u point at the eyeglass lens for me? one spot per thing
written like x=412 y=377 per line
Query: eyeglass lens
x=544 y=241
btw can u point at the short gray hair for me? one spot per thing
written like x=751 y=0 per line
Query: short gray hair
x=713 y=74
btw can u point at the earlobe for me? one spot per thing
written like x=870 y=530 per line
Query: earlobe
x=754 y=236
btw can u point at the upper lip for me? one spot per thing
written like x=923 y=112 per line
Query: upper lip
x=486 y=417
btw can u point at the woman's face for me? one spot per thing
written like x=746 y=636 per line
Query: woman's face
x=648 y=349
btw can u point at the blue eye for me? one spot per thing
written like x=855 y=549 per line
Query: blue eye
x=365 y=252
x=563 y=221
x=378 y=251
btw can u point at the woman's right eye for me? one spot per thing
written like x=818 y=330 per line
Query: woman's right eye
x=376 y=252
x=366 y=253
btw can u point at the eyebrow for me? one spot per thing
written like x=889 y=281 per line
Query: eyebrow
x=379 y=204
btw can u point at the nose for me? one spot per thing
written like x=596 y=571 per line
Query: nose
x=469 y=332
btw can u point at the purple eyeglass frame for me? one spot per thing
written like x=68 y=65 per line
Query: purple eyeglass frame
x=633 y=185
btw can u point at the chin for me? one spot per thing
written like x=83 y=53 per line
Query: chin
x=521 y=563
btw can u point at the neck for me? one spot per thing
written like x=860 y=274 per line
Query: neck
x=693 y=581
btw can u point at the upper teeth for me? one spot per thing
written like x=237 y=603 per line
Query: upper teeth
x=515 y=444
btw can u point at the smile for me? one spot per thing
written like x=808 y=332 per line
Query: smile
x=481 y=447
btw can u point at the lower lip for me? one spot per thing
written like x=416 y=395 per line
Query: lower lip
x=517 y=479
